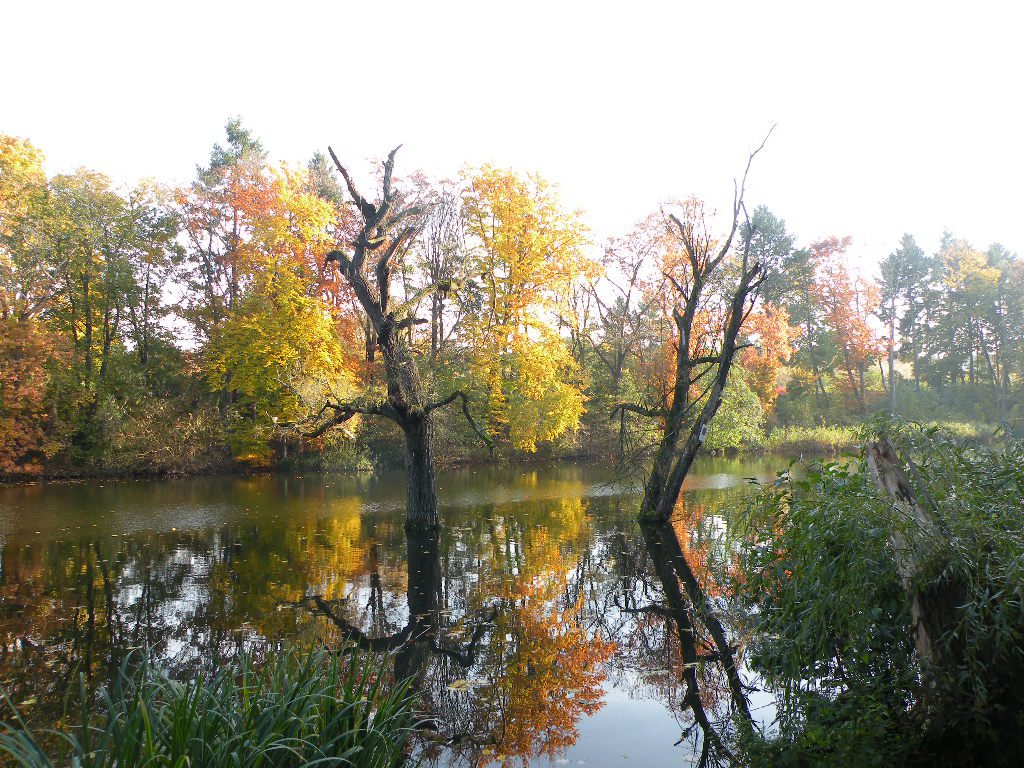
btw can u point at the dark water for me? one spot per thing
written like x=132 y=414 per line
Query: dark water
x=543 y=626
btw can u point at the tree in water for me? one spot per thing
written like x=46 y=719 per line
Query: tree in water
x=708 y=317
x=387 y=228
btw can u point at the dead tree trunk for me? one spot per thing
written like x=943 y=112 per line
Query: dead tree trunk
x=666 y=553
x=424 y=635
x=387 y=229
x=678 y=610
x=934 y=603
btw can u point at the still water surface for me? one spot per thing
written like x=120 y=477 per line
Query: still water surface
x=542 y=625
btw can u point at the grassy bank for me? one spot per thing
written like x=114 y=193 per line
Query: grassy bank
x=291 y=711
x=832 y=439
x=788 y=441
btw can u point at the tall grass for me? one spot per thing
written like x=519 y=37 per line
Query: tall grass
x=834 y=438
x=292 y=711
x=795 y=440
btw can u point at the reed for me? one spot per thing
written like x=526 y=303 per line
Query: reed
x=293 y=710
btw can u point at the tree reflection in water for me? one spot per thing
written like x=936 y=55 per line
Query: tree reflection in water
x=703 y=641
x=509 y=679
x=538 y=598
x=514 y=678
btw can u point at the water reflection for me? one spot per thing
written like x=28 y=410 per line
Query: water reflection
x=540 y=624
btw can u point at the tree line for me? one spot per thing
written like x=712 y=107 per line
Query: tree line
x=159 y=329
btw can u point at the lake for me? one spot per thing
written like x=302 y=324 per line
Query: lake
x=542 y=625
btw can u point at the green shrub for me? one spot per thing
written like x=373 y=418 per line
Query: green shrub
x=829 y=623
x=739 y=423
x=829 y=615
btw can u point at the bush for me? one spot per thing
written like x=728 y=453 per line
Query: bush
x=739 y=423
x=829 y=614
x=293 y=710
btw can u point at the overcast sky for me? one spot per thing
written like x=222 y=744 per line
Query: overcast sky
x=891 y=117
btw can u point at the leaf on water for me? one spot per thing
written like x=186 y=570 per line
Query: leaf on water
x=466 y=685
x=28 y=703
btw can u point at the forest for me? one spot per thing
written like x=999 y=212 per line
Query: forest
x=201 y=328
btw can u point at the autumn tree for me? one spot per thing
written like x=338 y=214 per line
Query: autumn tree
x=772 y=338
x=848 y=300
x=769 y=327
x=218 y=212
x=528 y=253
x=28 y=280
x=27 y=286
x=279 y=342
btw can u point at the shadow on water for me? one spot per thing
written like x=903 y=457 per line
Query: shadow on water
x=541 y=623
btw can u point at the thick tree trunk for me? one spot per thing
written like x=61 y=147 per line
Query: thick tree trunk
x=670 y=470
x=654 y=490
x=421 y=484
x=405 y=396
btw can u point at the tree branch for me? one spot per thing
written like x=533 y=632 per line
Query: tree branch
x=642 y=410
x=460 y=395
x=345 y=411
x=366 y=208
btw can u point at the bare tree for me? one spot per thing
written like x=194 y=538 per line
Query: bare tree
x=444 y=254
x=388 y=227
x=700 y=356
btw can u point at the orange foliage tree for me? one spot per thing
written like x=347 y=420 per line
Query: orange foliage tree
x=25 y=350
x=773 y=337
x=848 y=300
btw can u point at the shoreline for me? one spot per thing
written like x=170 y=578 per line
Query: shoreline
x=785 y=442
x=241 y=470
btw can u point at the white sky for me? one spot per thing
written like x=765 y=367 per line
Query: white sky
x=891 y=117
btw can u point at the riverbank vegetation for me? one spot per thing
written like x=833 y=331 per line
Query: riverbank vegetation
x=890 y=625
x=291 y=710
x=176 y=330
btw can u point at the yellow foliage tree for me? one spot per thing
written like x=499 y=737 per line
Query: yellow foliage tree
x=281 y=338
x=528 y=253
